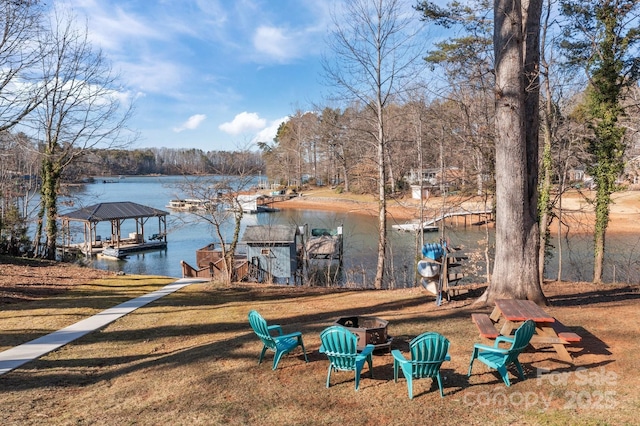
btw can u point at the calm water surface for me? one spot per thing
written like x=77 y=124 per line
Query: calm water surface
x=185 y=237
x=360 y=238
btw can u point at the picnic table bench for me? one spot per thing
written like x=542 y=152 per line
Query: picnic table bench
x=563 y=332
x=509 y=313
x=485 y=325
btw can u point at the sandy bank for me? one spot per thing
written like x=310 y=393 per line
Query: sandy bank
x=577 y=208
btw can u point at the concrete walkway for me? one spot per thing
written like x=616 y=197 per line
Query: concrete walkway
x=15 y=357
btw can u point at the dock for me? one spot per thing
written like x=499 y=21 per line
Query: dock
x=275 y=198
x=432 y=224
x=125 y=248
x=282 y=254
x=114 y=246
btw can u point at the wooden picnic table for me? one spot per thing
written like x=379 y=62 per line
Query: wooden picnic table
x=510 y=313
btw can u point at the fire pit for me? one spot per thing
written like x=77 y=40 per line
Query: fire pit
x=370 y=330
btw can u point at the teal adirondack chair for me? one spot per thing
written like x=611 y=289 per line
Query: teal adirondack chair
x=428 y=352
x=340 y=346
x=499 y=358
x=280 y=343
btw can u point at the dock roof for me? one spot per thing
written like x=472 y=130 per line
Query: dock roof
x=269 y=234
x=113 y=211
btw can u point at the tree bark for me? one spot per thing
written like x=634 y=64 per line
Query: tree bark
x=382 y=204
x=515 y=272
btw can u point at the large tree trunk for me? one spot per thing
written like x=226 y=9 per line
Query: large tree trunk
x=50 y=185
x=515 y=272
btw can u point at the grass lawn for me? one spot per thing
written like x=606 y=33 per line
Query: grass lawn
x=191 y=358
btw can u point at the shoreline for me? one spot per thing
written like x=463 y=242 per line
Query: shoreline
x=577 y=210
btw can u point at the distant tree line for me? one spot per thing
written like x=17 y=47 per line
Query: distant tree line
x=21 y=157
x=21 y=178
x=167 y=161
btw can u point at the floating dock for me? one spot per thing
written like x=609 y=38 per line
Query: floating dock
x=432 y=225
x=126 y=249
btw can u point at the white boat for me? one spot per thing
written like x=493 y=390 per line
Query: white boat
x=188 y=204
x=428 y=268
x=252 y=204
x=413 y=227
x=113 y=253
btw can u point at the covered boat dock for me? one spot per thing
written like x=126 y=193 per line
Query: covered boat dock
x=115 y=244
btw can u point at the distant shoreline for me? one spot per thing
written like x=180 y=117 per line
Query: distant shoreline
x=577 y=212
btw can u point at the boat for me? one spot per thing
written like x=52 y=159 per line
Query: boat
x=414 y=226
x=188 y=204
x=113 y=252
x=325 y=243
x=254 y=203
x=437 y=269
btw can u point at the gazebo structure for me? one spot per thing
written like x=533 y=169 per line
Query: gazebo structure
x=116 y=213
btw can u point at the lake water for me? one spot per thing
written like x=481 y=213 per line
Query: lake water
x=360 y=238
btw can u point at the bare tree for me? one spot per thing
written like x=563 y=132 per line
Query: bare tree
x=295 y=141
x=549 y=126
x=222 y=208
x=20 y=92
x=82 y=108
x=332 y=143
x=373 y=43
x=282 y=157
x=20 y=22
x=19 y=170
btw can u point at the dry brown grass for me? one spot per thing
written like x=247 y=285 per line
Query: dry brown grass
x=191 y=358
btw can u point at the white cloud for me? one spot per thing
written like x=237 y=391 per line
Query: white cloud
x=243 y=122
x=153 y=75
x=192 y=123
x=198 y=55
x=268 y=133
x=112 y=27
x=272 y=42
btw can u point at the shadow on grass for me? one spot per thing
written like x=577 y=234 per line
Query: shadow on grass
x=243 y=346
x=599 y=296
x=45 y=372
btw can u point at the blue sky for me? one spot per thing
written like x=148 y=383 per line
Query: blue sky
x=212 y=74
